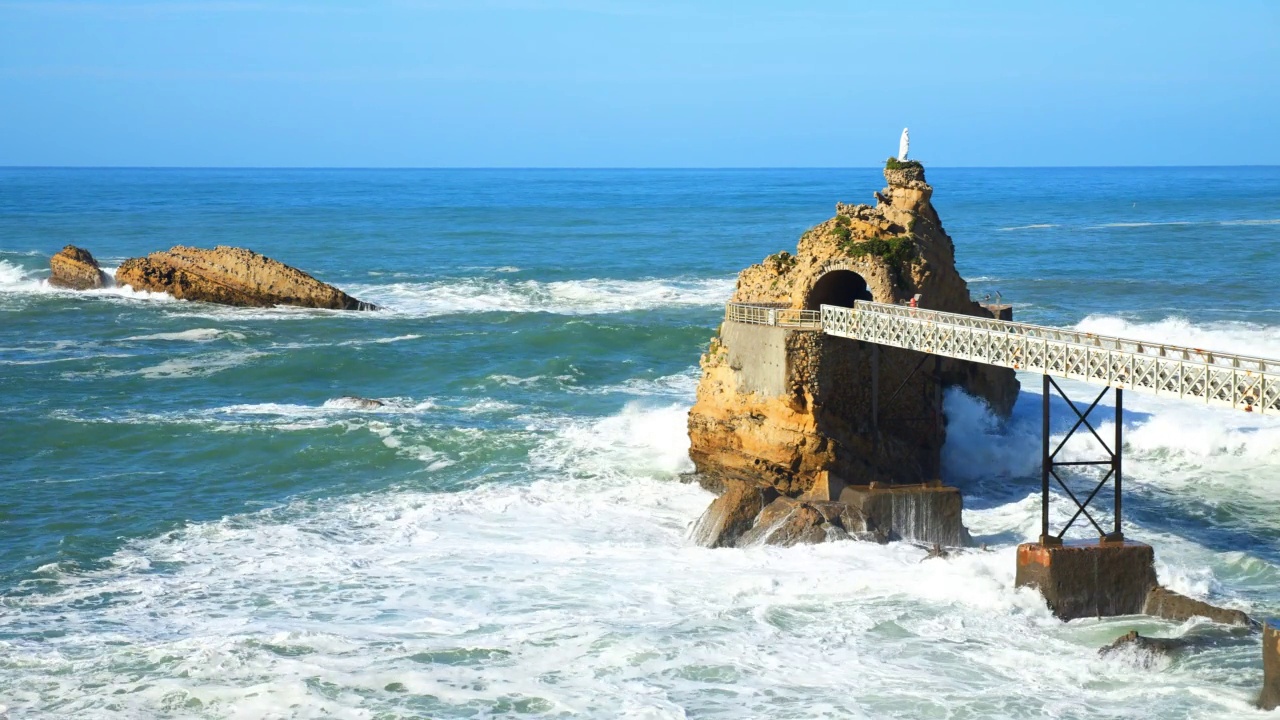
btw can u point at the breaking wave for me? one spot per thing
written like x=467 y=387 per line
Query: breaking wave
x=192 y=335
x=475 y=602
x=569 y=297
x=1241 y=338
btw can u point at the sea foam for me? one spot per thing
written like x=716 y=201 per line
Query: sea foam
x=574 y=592
x=568 y=297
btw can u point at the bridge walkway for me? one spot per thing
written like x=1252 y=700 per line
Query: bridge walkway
x=1251 y=384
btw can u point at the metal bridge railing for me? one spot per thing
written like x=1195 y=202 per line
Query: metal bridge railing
x=1238 y=381
x=773 y=314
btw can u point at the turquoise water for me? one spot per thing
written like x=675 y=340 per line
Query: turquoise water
x=196 y=522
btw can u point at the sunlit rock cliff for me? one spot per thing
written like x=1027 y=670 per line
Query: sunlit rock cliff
x=783 y=424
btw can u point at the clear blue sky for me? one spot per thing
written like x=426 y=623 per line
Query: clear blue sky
x=637 y=83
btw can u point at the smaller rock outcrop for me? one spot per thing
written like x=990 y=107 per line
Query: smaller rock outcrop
x=231 y=276
x=732 y=514
x=1165 y=603
x=1149 y=648
x=788 y=522
x=749 y=514
x=75 y=268
x=356 y=402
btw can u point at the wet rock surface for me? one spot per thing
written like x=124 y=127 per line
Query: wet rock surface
x=788 y=522
x=74 y=268
x=1151 y=647
x=732 y=514
x=360 y=403
x=1165 y=603
x=231 y=276
x=1082 y=579
x=929 y=513
x=1269 y=698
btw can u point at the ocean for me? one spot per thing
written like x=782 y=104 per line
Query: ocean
x=196 y=519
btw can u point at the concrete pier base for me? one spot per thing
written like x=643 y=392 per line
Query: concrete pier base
x=1088 y=578
x=1270 y=697
x=923 y=513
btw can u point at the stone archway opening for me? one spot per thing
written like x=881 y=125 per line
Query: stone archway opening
x=838 y=287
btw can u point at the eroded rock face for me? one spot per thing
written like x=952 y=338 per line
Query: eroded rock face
x=749 y=514
x=75 y=268
x=1165 y=603
x=785 y=407
x=231 y=276
x=732 y=514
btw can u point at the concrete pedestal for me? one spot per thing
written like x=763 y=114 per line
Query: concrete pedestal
x=1270 y=697
x=1088 y=578
x=923 y=513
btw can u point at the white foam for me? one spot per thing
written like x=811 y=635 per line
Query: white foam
x=489 y=405
x=434 y=298
x=1271 y=221
x=513 y=380
x=13 y=277
x=681 y=385
x=569 y=297
x=192 y=335
x=380 y=341
x=1241 y=338
x=573 y=593
x=1033 y=226
x=1146 y=224
x=1260 y=221
x=202 y=365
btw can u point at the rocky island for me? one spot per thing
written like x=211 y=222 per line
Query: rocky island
x=223 y=275
x=790 y=426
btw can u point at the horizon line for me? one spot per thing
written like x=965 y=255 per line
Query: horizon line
x=613 y=167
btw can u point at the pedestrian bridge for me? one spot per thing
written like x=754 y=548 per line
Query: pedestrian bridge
x=1214 y=378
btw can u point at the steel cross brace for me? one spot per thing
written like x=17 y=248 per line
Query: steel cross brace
x=1049 y=465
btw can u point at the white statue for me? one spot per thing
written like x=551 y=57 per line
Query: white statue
x=903 y=145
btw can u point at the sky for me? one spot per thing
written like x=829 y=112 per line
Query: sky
x=637 y=83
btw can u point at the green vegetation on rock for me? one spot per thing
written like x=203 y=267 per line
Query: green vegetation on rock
x=842 y=231
x=781 y=261
x=894 y=250
x=894 y=163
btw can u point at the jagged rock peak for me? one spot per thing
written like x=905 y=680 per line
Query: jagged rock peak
x=900 y=173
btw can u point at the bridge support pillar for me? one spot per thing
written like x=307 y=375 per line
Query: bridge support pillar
x=1270 y=697
x=1089 y=579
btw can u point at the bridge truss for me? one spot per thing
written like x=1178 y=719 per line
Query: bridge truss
x=1214 y=378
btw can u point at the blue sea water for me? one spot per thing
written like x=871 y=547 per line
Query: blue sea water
x=197 y=521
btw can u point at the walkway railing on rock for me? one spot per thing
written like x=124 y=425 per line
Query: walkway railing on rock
x=1238 y=381
x=773 y=314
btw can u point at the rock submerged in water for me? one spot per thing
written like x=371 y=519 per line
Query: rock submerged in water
x=75 y=268
x=231 y=276
x=748 y=514
x=356 y=402
x=1154 y=646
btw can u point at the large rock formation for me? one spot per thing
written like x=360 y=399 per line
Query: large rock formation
x=791 y=409
x=75 y=268
x=231 y=276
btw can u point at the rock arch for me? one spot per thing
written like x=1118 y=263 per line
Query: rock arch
x=837 y=287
